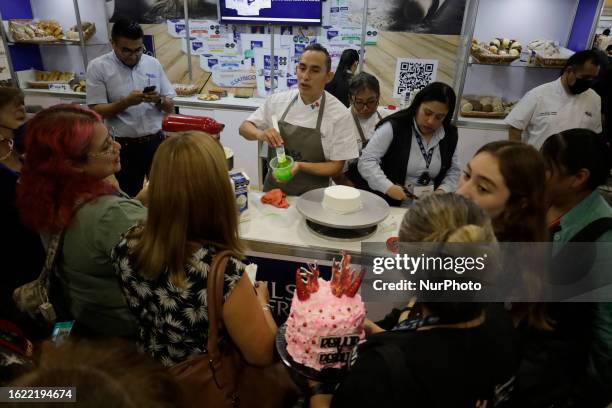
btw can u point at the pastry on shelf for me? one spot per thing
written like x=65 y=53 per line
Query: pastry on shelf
x=42 y=79
x=496 y=51
x=51 y=28
x=89 y=29
x=185 y=89
x=35 y=31
x=222 y=93
x=79 y=86
x=484 y=107
x=54 y=76
x=547 y=53
x=208 y=97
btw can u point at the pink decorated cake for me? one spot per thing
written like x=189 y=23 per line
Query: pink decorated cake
x=326 y=318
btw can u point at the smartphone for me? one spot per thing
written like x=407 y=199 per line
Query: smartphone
x=149 y=89
x=61 y=332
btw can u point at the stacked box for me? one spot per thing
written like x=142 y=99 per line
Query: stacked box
x=240 y=182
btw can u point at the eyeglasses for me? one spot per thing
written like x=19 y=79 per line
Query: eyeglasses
x=110 y=140
x=130 y=52
x=370 y=103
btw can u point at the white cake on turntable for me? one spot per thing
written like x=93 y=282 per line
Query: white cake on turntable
x=342 y=199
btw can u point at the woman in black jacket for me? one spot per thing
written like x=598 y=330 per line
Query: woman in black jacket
x=413 y=152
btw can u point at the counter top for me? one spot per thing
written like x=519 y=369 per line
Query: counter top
x=55 y=93
x=251 y=104
x=229 y=102
x=284 y=232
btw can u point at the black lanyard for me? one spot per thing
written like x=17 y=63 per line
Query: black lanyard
x=416 y=323
x=427 y=155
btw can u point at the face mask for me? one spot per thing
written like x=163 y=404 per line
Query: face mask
x=580 y=86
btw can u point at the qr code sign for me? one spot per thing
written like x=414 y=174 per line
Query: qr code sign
x=413 y=74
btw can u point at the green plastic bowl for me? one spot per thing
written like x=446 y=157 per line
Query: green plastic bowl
x=282 y=171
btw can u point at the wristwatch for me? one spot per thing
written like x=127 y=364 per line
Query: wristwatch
x=323 y=388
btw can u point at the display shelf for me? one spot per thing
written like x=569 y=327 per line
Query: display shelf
x=566 y=22
x=65 y=54
x=229 y=102
x=481 y=123
x=61 y=42
x=49 y=92
x=514 y=64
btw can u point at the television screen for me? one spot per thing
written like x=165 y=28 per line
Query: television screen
x=298 y=12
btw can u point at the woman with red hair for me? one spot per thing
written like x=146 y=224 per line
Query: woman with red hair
x=67 y=185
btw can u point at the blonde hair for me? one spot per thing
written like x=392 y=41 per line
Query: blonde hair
x=191 y=203
x=446 y=218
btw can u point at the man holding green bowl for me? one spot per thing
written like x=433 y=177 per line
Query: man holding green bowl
x=315 y=129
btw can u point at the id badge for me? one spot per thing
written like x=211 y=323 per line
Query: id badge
x=422 y=191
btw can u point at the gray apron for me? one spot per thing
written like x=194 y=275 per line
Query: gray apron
x=364 y=141
x=304 y=145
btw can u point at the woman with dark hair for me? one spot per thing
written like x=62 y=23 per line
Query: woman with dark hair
x=22 y=252
x=438 y=354
x=339 y=85
x=364 y=94
x=507 y=180
x=67 y=188
x=413 y=151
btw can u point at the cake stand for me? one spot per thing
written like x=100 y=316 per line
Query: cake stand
x=353 y=226
x=327 y=375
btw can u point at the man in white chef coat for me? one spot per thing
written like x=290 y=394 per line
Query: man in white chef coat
x=567 y=103
x=316 y=129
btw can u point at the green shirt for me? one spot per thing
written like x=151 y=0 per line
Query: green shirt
x=89 y=280
x=591 y=208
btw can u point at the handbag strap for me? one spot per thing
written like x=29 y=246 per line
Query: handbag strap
x=214 y=292
x=55 y=245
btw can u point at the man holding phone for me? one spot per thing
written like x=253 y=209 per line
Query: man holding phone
x=131 y=91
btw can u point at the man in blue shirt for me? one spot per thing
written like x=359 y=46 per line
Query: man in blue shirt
x=131 y=91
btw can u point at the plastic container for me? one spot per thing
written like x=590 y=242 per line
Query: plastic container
x=282 y=171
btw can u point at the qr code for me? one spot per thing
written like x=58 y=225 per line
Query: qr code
x=414 y=75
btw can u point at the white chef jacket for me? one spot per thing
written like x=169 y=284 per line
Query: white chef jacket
x=550 y=109
x=338 y=131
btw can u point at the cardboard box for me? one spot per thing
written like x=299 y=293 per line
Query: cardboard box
x=199 y=28
x=226 y=62
x=240 y=182
x=241 y=78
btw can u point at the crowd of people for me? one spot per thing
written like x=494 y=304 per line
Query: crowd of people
x=133 y=266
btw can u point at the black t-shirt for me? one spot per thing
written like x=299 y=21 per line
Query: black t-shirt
x=339 y=87
x=446 y=368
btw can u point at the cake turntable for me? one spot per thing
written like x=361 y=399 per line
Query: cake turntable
x=353 y=226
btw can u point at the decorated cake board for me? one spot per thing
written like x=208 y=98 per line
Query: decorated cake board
x=325 y=375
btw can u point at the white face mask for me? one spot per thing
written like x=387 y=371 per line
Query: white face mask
x=10 y=146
